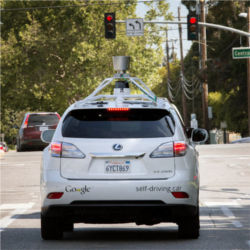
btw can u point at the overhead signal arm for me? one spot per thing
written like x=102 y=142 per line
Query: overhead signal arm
x=211 y=25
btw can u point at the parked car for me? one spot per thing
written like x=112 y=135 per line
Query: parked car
x=1 y=149
x=117 y=159
x=29 y=135
x=3 y=146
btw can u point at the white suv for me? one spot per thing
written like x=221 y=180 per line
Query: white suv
x=120 y=158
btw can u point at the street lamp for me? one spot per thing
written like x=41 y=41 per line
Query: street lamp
x=247 y=15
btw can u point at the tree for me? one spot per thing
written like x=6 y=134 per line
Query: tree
x=226 y=77
x=54 y=53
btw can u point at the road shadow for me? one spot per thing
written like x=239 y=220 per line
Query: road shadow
x=217 y=232
x=35 y=215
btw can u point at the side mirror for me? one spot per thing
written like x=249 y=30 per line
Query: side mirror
x=47 y=135
x=199 y=135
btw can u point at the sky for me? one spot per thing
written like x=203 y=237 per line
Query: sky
x=173 y=34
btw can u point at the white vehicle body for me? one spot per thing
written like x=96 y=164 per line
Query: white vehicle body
x=114 y=178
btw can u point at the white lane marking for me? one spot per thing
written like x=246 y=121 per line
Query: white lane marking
x=237 y=224
x=16 y=205
x=245 y=196
x=18 y=164
x=227 y=212
x=246 y=157
x=221 y=204
x=20 y=208
x=248 y=243
x=12 y=164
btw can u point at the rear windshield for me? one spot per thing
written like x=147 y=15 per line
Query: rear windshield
x=42 y=119
x=135 y=123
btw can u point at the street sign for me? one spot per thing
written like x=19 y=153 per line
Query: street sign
x=210 y=112
x=223 y=125
x=242 y=52
x=134 y=27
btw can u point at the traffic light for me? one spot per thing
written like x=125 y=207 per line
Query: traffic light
x=109 y=23
x=192 y=27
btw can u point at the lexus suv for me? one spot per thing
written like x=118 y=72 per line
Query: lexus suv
x=29 y=134
x=120 y=158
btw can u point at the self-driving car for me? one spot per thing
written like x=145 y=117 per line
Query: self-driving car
x=119 y=158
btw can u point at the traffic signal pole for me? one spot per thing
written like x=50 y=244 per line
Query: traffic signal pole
x=204 y=68
x=203 y=24
x=184 y=103
x=248 y=73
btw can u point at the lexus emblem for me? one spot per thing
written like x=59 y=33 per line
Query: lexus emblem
x=117 y=147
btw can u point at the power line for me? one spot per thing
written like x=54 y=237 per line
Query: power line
x=101 y=3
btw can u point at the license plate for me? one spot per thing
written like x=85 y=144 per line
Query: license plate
x=117 y=167
x=43 y=128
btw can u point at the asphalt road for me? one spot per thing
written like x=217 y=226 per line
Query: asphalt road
x=224 y=208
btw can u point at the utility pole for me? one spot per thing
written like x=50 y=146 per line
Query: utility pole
x=184 y=105
x=173 y=53
x=248 y=73
x=168 y=66
x=204 y=68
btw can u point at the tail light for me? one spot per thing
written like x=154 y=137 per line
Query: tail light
x=118 y=109
x=25 y=125
x=170 y=149
x=56 y=149
x=1 y=147
x=55 y=195
x=180 y=148
x=65 y=150
x=180 y=195
x=59 y=117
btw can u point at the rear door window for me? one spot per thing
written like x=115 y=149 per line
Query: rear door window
x=101 y=123
x=42 y=120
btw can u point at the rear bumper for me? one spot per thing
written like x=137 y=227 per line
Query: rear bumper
x=33 y=143
x=140 y=212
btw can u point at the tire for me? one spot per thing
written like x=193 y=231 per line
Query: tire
x=68 y=226
x=19 y=148
x=189 y=227
x=51 y=228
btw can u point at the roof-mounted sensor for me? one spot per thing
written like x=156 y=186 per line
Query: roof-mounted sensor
x=121 y=63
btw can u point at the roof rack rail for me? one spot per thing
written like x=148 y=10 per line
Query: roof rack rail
x=148 y=96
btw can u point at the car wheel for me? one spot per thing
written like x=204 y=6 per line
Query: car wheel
x=68 y=226
x=51 y=228
x=19 y=147
x=189 y=227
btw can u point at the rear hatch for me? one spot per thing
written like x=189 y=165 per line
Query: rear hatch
x=117 y=144
x=36 y=123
